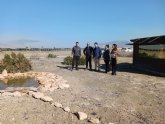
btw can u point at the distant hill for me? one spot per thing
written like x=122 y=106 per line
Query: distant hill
x=120 y=44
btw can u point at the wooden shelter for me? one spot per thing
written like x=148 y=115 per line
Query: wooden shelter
x=149 y=53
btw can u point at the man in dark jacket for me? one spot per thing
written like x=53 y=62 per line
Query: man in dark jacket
x=97 y=56
x=88 y=53
x=76 y=51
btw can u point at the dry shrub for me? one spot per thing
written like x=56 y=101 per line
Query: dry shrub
x=68 y=60
x=52 y=56
x=16 y=63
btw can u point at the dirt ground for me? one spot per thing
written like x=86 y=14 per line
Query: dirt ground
x=130 y=97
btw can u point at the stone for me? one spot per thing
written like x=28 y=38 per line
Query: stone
x=31 y=89
x=37 y=95
x=23 y=94
x=82 y=115
x=53 y=88
x=58 y=105
x=7 y=94
x=94 y=120
x=2 y=77
x=67 y=109
x=46 y=99
x=30 y=93
x=4 y=73
x=66 y=85
x=48 y=85
x=2 y=91
x=62 y=86
x=5 y=80
x=41 y=89
x=16 y=93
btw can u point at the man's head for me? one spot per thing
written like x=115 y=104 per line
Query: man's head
x=88 y=44
x=96 y=44
x=77 y=43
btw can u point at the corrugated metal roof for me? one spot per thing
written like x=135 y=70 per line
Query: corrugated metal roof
x=149 y=40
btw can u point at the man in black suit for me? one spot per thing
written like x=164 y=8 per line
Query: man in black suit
x=88 y=51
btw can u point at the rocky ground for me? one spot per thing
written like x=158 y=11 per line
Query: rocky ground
x=130 y=97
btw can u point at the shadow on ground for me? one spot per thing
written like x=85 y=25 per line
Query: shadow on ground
x=121 y=67
x=69 y=67
x=130 y=68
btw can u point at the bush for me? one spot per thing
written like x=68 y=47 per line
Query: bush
x=82 y=60
x=16 y=63
x=1 y=68
x=51 y=56
x=68 y=60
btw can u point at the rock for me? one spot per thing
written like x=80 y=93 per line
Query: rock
x=5 y=80
x=2 y=91
x=16 y=93
x=30 y=93
x=23 y=94
x=47 y=86
x=2 y=77
x=37 y=95
x=66 y=85
x=4 y=73
x=18 y=74
x=94 y=120
x=42 y=89
x=7 y=94
x=67 y=109
x=31 y=89
x=53 y=88
x=82 y=115
x=58 y=105
x=62 y=86
x=46 y=99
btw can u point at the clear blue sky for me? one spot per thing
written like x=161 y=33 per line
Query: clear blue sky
x=61 y=23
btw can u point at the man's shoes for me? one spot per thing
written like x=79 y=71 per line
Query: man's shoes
x=113 y=73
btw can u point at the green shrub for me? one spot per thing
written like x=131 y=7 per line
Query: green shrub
x=82 y=60
x=1 y=68
x=16 y=63
x=68 y=60
x=52 y=56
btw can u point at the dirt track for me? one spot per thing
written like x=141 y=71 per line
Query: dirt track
x=131 y=97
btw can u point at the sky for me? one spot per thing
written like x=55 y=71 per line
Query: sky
x=61 y=23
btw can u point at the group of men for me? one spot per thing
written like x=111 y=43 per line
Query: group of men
x=89 y=52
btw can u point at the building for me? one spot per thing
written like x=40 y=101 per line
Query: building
x=149 y=53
